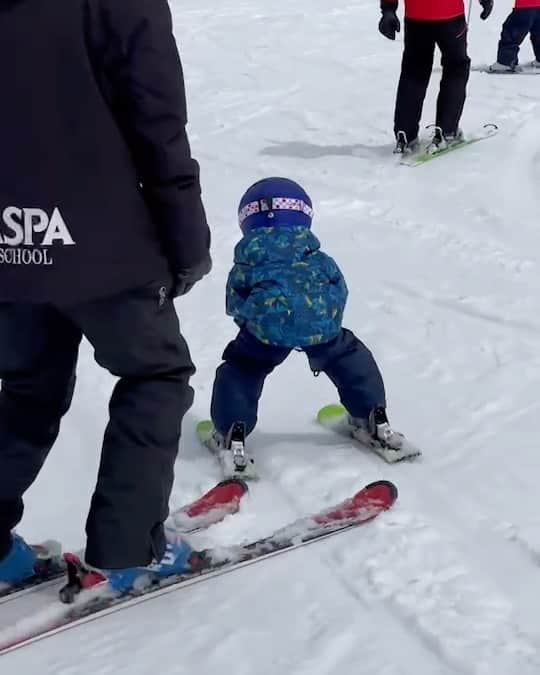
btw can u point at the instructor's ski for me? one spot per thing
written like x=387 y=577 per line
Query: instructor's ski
x=99 y=601
x=222 y=500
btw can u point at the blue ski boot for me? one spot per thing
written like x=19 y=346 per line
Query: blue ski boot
x=175 y=561
x=19 y=564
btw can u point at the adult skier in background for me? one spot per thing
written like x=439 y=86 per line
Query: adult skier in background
x=524 y=20
x=102 y=224
x=430 y=23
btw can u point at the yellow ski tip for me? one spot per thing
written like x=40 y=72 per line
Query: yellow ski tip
x=330 y=414
x=204 y=429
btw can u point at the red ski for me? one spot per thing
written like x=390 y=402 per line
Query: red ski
x=100 y=601
x=222 y=500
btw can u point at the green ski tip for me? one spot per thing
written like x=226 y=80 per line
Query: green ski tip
x=204 y=430
x=330 y=414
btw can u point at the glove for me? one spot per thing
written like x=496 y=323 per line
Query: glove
x=487 y=8
x=389 y=24
x=187 y=278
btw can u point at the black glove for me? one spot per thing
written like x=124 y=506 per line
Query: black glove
x=187 y=278
x=487 y=8
x=389 y=24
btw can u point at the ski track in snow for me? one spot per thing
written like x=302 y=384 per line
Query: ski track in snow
x=442 y=263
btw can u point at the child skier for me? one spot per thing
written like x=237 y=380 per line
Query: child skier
x=430 y=23
x=285 y=293
x=524 y=20
x=101 y=225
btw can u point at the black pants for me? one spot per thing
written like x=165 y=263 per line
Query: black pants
x=517 y=26
x=247 y=362
x=421 y=37
x=136 y=337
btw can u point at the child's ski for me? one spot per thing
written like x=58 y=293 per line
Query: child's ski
x=99 y=601
x=235 y=461
x=223 y=499
x=335 y=417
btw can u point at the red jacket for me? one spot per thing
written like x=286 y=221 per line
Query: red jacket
x=523 y=4
x=434 y=10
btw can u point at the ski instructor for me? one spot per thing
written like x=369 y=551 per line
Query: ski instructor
x=429 y=23
x=101 y=225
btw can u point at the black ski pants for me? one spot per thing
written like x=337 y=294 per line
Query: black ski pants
x=136 y=336
x=247 y=362
x=421 y=37
x=517 y=26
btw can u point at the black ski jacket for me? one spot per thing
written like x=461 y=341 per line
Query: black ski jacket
x=98 y=189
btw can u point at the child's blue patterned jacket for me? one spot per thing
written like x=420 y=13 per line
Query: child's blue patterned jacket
x=284 y=290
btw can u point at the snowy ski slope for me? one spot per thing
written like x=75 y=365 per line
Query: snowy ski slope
x=442 y=263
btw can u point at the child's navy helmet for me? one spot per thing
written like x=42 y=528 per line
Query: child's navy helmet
x=274 y=202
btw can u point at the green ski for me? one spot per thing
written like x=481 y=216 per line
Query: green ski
x=422 y=157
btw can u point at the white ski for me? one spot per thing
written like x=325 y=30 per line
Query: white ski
x=336 y=418
x=235 y=461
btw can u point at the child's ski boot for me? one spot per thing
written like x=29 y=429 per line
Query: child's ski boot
x=230 y=449
x=377 y=434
